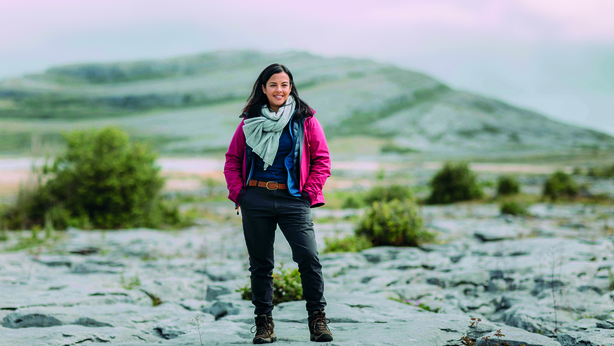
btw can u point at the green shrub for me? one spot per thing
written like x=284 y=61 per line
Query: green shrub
x=602 y=172
x=507 y=185
x=351 y=203
x=287 y=286
x=102 y=181
x=395 y=223
x=350 y=243
x=487 y=183
x=388 y=193
x=453 y=183
x=560 y=185
x=513 y=208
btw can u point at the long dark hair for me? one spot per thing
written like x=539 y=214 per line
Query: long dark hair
x=258 y=98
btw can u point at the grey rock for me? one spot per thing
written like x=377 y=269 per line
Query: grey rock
x=90 y=322
x=605 y=324
x=76 y=335
x=585 y=288
x=195 y=304
x=29 y=319
x=220 y=309
x=175 y=289
x=417 y=291
x=54 y=261
x=517 y=337
x=499 y=232
x=545 y=283
x=92 y=266
x=214 y=291
x=586 y=323
x=590 y=337
x=174 y=327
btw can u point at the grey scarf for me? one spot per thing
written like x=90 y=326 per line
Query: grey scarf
x=262 y=133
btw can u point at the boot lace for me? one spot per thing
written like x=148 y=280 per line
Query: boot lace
x=320 y=322
x=262 y=327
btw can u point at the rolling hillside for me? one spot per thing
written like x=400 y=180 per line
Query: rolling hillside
x=191 y=105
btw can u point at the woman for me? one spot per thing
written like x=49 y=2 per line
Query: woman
x=276 y=166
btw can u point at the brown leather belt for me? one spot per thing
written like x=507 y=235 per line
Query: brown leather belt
x=271 y=185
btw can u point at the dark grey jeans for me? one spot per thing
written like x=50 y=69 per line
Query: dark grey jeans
x=262 y=210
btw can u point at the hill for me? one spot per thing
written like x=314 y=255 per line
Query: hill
x=191 y=105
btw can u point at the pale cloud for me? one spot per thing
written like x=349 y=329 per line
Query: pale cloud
x=586 y=20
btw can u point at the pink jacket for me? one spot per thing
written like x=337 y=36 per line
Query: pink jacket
x=315 y=163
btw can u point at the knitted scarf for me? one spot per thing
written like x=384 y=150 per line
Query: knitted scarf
x=262 y=133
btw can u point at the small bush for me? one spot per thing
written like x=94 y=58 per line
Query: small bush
x=350 y=243
x=395 y=223
x=507 y=185
x=351 y=203
x=388 y=193
x=601 y=172
x=513 y=208
x=560 y=185
x=453 y=183
x=102 y=181
x=287 y=286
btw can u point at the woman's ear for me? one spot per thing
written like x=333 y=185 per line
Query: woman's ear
x=263 y=89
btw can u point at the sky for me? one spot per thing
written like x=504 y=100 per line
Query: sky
x=555 y=57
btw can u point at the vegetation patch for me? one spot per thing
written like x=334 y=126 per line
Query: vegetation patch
x=352 y=243
x=388 y=193
x=287 y=286
x=507 y=185
x=396 y=223
x=601 y=172
x=560 y=185
x=513 y=208
x=453 y=183
x=102 y=181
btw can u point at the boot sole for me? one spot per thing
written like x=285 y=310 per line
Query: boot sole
x=322 y=337
x=263 y=341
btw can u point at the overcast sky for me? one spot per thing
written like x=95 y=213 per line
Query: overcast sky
x=552 y=56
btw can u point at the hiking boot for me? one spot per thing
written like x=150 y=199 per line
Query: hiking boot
x=264 y=329
x=318 y=327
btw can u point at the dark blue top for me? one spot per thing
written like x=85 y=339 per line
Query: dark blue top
x=277 y=171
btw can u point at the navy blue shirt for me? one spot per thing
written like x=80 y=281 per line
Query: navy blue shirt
x=277 y=171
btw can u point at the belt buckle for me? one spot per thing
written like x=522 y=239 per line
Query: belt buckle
x=267 y=185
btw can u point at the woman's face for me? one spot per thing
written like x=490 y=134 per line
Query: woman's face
x=277 y=90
